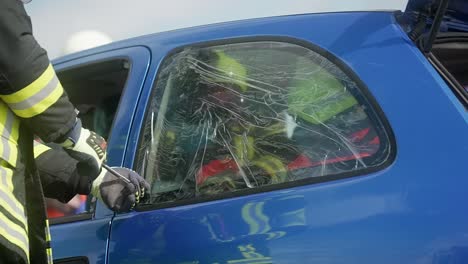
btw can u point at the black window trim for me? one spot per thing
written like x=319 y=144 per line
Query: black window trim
x=365 y=98
x=451 y=81
x=71 y=218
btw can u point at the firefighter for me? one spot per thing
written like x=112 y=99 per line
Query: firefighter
x=251 y=121
x=33 y=102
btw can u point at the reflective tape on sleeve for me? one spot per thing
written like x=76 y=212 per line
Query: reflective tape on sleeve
x=37 y=96
x=9 y=132
x=39 y=149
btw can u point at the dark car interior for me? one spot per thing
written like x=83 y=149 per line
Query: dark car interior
x=451 y=51
x=95 y=91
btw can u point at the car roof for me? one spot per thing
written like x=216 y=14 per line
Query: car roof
x=147 y=40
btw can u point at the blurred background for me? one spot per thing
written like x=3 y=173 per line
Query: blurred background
x=63 y=27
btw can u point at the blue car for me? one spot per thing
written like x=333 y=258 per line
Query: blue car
x=316 y=138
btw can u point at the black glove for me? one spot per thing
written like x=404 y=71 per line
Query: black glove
x=87 y=170
x=64 y=175
x=117 y=194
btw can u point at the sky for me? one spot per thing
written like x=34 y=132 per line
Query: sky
x=54 y=22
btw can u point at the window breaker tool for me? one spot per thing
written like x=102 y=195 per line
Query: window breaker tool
x=109 y=169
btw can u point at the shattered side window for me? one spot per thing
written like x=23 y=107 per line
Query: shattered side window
x=232 y=117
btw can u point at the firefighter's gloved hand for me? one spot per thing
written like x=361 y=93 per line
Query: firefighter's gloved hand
x=84 y=141
x=87 y=169
x=117 y=194
x=62 y=176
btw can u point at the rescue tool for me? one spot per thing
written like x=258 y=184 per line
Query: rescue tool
x=109 y=169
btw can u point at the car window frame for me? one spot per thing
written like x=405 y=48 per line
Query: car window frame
x=366 y=98
x=80 y=62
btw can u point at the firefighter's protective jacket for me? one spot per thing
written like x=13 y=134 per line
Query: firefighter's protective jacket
x=32 y=101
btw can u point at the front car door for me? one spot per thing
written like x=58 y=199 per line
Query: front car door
x=105 y=87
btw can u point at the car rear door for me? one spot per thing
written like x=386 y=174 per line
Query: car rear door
x=83 y=237
x=388 y=191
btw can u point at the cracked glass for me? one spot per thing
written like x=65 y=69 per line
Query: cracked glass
x=240 y=116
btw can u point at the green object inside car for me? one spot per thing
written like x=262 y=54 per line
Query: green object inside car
x=319 y=97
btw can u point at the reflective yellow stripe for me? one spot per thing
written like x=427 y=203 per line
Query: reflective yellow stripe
x=4 y=174
x=279 y=168
x=264 y=165
x=37 y=96
x=273 y=166
x=42 y=105
x=47 y=231
x=7 y=175
x=48 y=239
x=250 y=219
x=253 y=225
x=7 y=200
x=14 y=233
x=250 y=147
x=32 y=88
x=50 y=259
x=260 y=215
x=14 y=136
x=9 y=132
x=39 y=149
x=245 y=148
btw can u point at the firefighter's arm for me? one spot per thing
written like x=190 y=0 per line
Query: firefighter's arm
x=62 y=176
x=28 y=83
x=31 y=89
